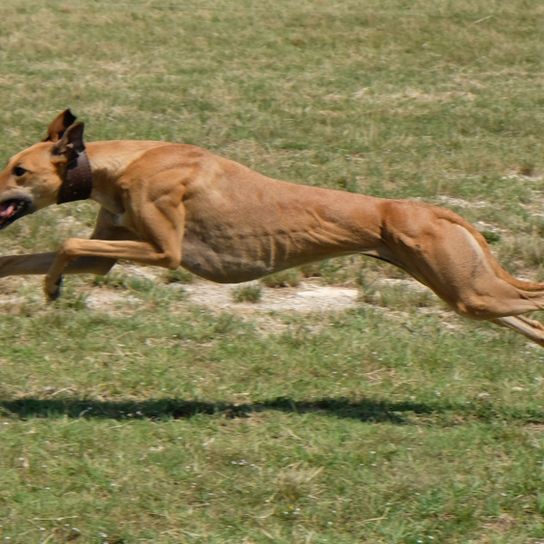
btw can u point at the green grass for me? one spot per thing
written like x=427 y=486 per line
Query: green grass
x=286 y=278
x=154 y=420
x=247 y=293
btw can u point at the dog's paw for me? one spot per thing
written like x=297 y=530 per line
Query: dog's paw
x=53 y=288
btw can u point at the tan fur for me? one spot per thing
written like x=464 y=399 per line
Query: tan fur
x=177 y=205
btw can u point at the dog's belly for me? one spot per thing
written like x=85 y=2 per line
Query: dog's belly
x=236 y=233
x=253 y=254
x=225 y=263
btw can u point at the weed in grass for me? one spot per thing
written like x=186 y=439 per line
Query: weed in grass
x=247 y=293
x=490 y=236
x=286 y=278
x=73 y=301
x=400 y=297
x=179 y=275
x=522 y=252
x=336 y=271
x=296 y=482
x=126 y=282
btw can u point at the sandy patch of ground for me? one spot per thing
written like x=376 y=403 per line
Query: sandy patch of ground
x=305 y=298
x=109 y=300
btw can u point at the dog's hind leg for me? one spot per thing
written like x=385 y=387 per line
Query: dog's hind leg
x=451 y=257
x=530 y=328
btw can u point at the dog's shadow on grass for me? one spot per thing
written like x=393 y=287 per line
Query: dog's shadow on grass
x=168 y=408
x=366 y=410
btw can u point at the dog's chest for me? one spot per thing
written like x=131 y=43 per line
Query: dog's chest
x=120 y=220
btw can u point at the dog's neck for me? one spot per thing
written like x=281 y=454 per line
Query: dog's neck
x=78 y=181
x=109 y=161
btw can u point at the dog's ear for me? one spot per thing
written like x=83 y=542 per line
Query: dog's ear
x=59 y=125
x=71 y=144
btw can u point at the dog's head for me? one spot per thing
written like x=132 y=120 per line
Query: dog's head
x=33 y=177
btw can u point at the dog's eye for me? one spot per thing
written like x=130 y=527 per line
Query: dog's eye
x=19 y=171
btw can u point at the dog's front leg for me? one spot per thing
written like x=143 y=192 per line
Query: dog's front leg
x=155 y=238
x=138 y=252
x=35 y=263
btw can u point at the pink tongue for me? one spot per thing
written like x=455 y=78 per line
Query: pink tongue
x=8 y=211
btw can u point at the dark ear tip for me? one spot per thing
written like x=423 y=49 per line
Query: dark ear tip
x=69 y=117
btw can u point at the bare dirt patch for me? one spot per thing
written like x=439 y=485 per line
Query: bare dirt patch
x=307 y=297
x=109 y=300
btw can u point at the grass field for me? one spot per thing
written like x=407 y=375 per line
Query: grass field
x=153 y=419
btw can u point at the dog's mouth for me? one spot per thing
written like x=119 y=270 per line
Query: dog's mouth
x=12 y=209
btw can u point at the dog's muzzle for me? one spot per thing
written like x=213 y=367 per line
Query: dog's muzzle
x=12 y=209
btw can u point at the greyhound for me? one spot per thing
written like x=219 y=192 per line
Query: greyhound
x=172 y=204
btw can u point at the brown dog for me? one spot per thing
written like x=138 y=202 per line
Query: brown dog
x=177 y=205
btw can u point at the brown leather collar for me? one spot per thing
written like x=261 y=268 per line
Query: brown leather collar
x=78 y=182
